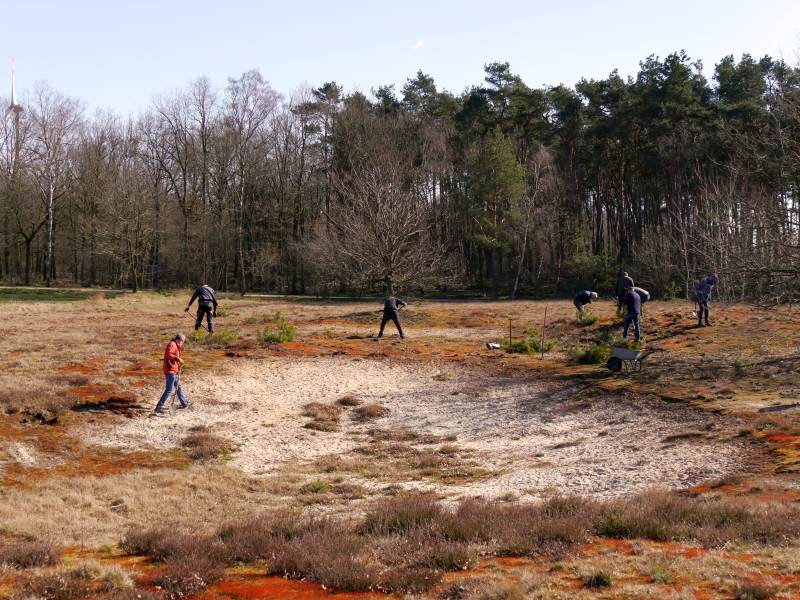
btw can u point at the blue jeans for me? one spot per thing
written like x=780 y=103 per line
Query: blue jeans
x=172 y=381
x=632 y=318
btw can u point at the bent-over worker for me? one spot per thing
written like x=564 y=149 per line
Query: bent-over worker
x=582 y=299
x=206 y=306
x=702 y=295
x=633 y=306
x=391 y=312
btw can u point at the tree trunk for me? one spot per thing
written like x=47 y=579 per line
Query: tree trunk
x=28 y=253
x=242 y=282
x=49 y=255
x=493 y=273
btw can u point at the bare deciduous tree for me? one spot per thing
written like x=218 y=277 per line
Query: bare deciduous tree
x=54 y=119
x=381 y=226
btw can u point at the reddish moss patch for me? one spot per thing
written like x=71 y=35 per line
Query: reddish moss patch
x=98 y=462
x=246 y=588
x=86 y=367
x=782 y=437
x=609 y=546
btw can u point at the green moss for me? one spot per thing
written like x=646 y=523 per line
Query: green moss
x=593 y=355
x=529 y=345
x=586 y=319
x=220 y=338
x=280 y=331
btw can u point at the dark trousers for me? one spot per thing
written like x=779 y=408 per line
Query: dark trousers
x=632 y=318
x=702 y=312
x=394 y=316
x=208 y=311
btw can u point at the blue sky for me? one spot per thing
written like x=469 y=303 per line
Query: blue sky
x=120 y=53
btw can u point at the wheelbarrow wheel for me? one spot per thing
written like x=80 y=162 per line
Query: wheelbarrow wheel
x=614 y=364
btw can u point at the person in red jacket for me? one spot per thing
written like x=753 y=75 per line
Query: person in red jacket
x=172 y=370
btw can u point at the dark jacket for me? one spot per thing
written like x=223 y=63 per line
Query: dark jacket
x=644 y=295
x=392 y=304
x=632 y=302
x=623 y=283
x=584 y=297
x=704 y=287
x=205 y=297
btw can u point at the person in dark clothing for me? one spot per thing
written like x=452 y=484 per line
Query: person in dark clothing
x=391 y=312
x=624 y=281
x=644 y=295
x=702 y=295
x=206 y=306
x=633 y=307
x=582 y=299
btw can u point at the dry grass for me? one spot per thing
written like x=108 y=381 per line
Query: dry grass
x=753 y=591
x=171 y=542
x=406 y=435
x=202 y=445
x=188 y=575
x=326 y=426
x=370 y=412
x=663 y=516
x=86 y=579
x=404 y=543
x=40 y=404
x=60 y=585
x=79 y=510
x=398 y=461
x=349 y=400
x=106 y=578
x=321 y=411
x=25 y=554
x=402 y=514
x=600 y=579
x=326 y=552
x=486 y=587
x=192 y=560
x=257 y=537
x=324 y=417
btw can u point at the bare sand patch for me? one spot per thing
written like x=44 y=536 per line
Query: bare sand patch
x=535 y=440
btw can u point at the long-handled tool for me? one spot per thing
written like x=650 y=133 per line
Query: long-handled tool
x=175 y=391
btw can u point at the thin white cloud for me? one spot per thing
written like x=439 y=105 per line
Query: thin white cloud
x=418 y=44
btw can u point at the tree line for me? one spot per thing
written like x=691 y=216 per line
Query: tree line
x=504 y=189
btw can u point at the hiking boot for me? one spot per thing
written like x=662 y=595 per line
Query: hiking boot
x=184 y=405
x=159 y=413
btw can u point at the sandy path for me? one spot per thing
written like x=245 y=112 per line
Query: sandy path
x=258 y=406
x=537 y=441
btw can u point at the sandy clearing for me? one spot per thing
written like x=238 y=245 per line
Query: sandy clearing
x=536 y=440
